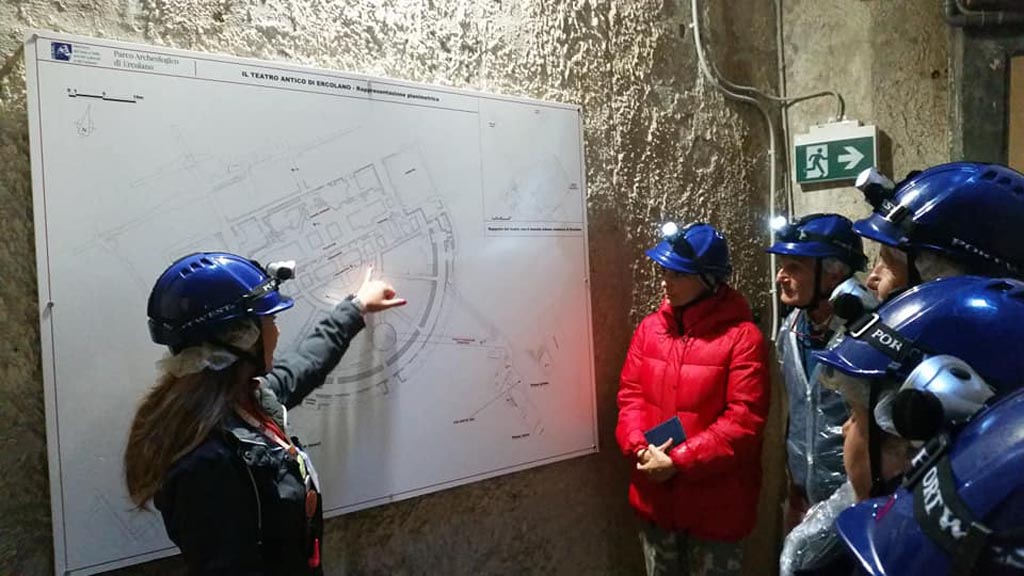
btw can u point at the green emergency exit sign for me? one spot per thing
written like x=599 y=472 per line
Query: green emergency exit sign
x=834 y=152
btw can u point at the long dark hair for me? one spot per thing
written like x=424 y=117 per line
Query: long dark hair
x=174 y=417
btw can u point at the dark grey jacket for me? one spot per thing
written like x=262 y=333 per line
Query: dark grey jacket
x=237 y=503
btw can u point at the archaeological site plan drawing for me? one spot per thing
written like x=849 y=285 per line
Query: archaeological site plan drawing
x=471 y=204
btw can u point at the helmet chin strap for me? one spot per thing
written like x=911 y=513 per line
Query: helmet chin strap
x=257 y=359
x=913 y=275
x=706 y=293
x=813 y=304
x=880 y=485
x=709 y=283
x=874 y=445
x=817 y=297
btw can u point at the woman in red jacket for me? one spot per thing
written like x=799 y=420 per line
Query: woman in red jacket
x=701 y=358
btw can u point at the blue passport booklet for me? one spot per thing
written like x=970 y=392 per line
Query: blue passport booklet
x=671 y=428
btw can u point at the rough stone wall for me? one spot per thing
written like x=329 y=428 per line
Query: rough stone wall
x=659 y=143
x=890 y=61
x=981 y=86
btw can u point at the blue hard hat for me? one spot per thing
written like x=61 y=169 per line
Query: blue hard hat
x=979 y=320
x=970 y=211
x=960 y=506
x=821 y=236
x=200 y=292
x=694 y=249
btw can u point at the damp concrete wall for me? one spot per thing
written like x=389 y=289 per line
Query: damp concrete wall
x=660 y=143
x=891 y=63
x=980 y=63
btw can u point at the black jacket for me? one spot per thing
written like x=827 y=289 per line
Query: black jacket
x=236 y=505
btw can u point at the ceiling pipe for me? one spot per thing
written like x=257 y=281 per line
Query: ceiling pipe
x=1007 y=5
x=960 y=17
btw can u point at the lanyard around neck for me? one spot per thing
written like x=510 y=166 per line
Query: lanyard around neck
x=268 y=428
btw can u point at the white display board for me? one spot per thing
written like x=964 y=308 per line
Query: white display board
x=471 y=204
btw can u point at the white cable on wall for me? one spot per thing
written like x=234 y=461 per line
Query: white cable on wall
x=706 y=71
x=755 y=96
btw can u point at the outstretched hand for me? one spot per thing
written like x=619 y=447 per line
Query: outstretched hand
x=377 y=295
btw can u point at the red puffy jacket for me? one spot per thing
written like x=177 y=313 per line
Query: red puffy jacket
x=706 y=363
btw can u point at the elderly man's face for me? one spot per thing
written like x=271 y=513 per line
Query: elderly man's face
x=889 y=273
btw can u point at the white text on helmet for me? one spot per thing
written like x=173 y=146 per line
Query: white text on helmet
x=932 y=497
x=886 y=340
